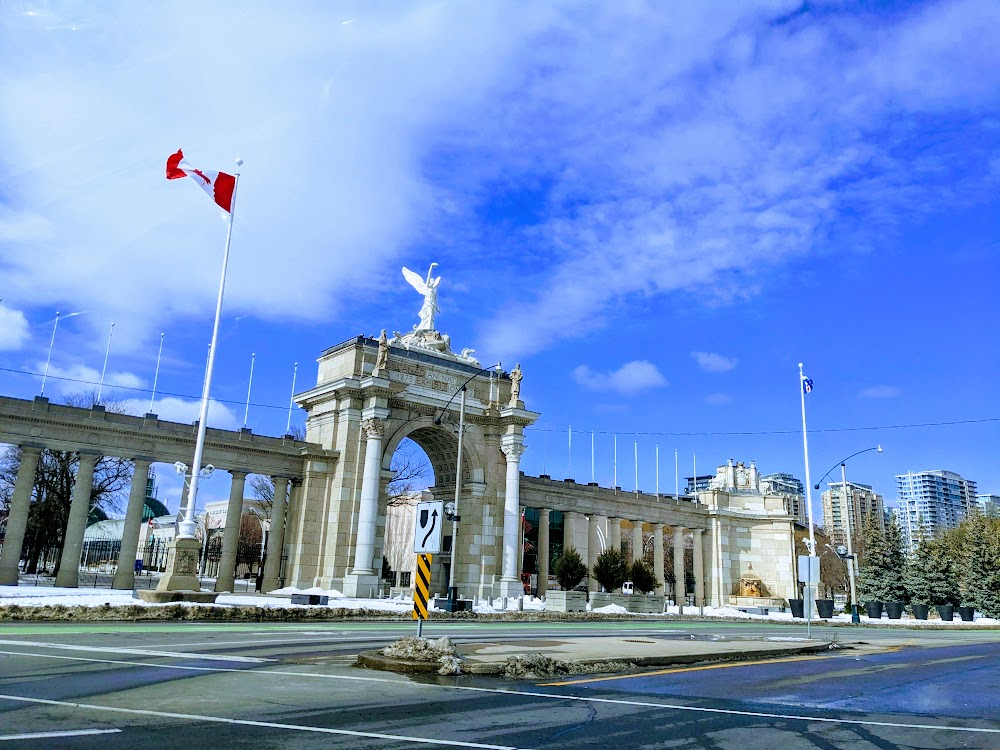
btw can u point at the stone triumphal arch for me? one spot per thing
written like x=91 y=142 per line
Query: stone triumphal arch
x=329 y=514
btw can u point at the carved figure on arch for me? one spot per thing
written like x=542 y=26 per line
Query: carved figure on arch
x=515 y=384
x=382 y=359
x=429 y=289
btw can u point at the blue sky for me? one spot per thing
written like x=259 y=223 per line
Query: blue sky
x=658 y=211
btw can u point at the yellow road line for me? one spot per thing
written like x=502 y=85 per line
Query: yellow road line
x=726 y=665
x=676 y=670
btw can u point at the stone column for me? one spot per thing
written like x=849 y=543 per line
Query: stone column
x=275 y=536
x=132 y=526
x=17 y=519
x=231 y=534
x=593 y=550
x=679 y=566
x=699 y=569
x=76 y=526
x=658 y=558
x=636 y=540
x=615 y=534
x=543 y=551
x=363 y=576
x=569 y=530
x=510 y=584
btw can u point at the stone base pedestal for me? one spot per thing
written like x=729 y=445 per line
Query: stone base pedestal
x=165 y=597
x=360 y=586
x=510 y=589
x=182 y=566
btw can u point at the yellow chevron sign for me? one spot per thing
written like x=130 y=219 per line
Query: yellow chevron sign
x=421 y=591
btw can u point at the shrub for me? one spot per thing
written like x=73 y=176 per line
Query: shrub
x=642 y=576
x=611 y=569
x=569 y=569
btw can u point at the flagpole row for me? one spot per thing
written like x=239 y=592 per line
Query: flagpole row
x=156 y=374
x=49 y=358
x=291 y=399
x=186 y=528
x=104 y=370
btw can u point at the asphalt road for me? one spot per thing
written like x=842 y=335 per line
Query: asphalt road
x=223 y=685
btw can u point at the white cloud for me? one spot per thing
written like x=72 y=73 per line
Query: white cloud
x=880 y=391
x=172 y=409
x=79 y=378
x=13 y=329
x=718 y=399
x=632 y=377
x=735 y=152
x=711 y=362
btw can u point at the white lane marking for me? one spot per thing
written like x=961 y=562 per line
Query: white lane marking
x=266 y=724
x=401 y=681
x=137 y=652
x=531 y=694
x=47 y=735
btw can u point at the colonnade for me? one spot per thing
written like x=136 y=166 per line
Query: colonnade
x=124 y=578
x=604 y=532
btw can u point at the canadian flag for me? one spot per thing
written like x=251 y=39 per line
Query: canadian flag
x=218 y=185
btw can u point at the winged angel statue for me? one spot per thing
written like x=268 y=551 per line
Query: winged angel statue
x=429 y=289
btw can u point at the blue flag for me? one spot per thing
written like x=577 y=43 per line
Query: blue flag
x=807 y=385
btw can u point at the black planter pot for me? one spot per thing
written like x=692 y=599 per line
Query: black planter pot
x=894 y=610
x=920 y=611
x=825 y=608
x=967 y=613
x=874 y=610
x=946 y=612
x=798 y=607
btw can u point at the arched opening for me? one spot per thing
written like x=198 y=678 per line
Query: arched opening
x=419 y=463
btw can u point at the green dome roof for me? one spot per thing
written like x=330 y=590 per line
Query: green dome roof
x=153 y=509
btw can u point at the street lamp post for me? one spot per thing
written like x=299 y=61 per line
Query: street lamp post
x=453 y=513
x=851 y=558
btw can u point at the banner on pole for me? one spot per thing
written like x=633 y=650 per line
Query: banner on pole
x=422 y=586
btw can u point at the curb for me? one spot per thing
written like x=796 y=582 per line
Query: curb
x=377 y=660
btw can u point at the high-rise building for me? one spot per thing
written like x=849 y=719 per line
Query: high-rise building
x=989 y=505
x=933 y=501
x=854 y=506
x=780 y=483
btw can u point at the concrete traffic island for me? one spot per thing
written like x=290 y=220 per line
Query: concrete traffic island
x=571 y=656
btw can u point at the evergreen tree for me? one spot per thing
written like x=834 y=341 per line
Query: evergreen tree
x=611 y=569
x=882 y=565
x=569 y=569
x=980 y=567
x=942 y=574
x=918 y=571
x=642 y=576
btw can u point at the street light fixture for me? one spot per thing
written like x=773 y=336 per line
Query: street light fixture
x=849 y=551
x=452 y=513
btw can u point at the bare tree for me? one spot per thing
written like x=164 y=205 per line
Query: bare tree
x=53 y=488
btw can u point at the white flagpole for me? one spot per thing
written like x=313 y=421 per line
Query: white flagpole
x=805 y=450
x=156 y=374
x=657 y=471
x=246 y=413
x=49 y=358
x=615 y=480
x=810 y=587
x=186 y=528
x=592 y=456
x=291 y=400
x=694 y=467
x=569 y=455
x=677 y=477
x=635 y=452
x=107 y=353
